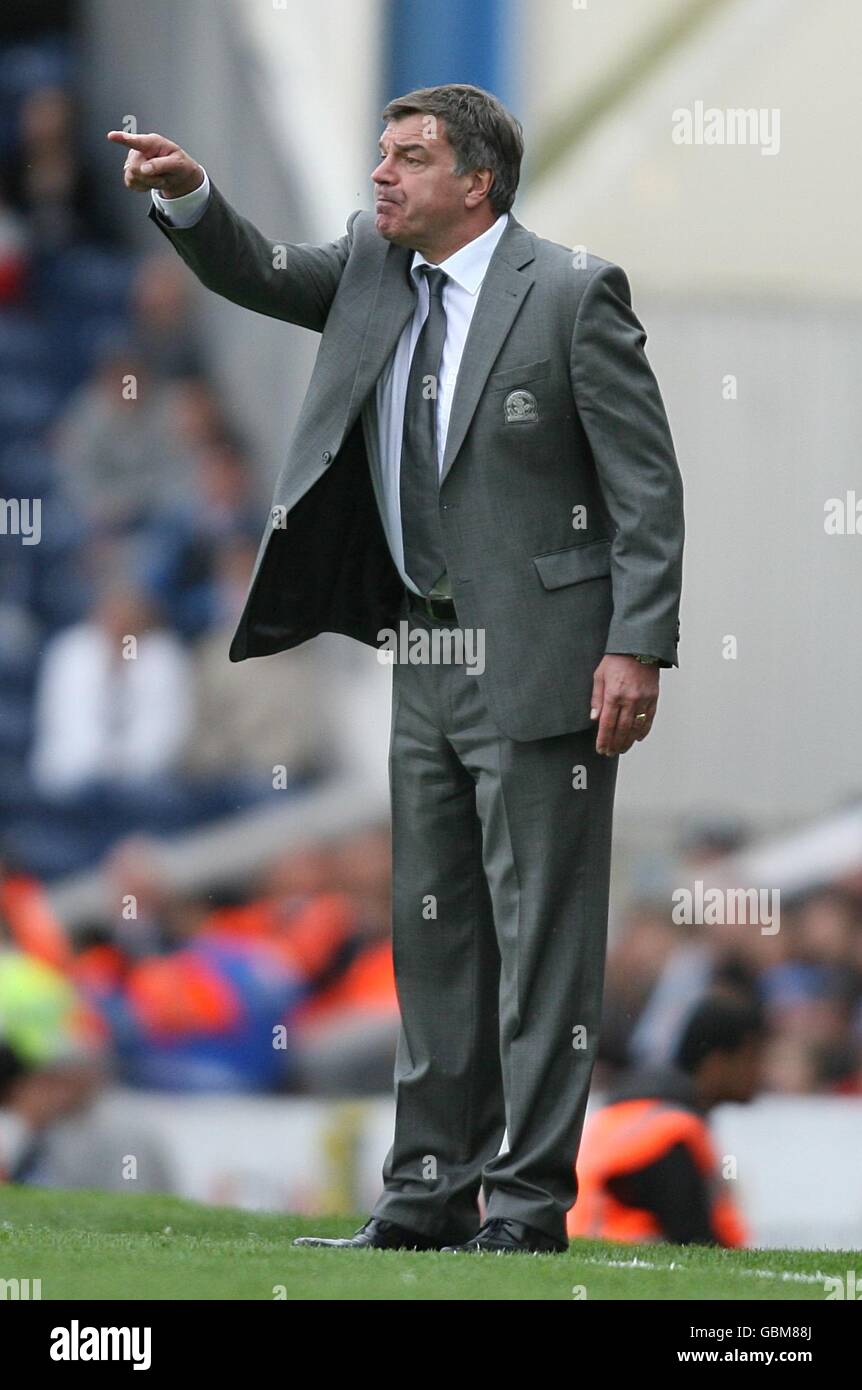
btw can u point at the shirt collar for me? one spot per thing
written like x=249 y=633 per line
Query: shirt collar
x=468 y=266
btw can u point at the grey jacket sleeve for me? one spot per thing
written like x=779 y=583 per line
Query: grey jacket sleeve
x=295 y=282
x=621 y=409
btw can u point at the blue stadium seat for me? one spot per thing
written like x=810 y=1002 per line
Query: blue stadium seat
x=28 y=404
x=26 y=344
x=85 y=279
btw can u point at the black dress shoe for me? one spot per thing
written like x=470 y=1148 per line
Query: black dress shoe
x=503 y=1236
x=376 y=1235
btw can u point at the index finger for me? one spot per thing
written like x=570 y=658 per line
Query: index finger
x=144 y=143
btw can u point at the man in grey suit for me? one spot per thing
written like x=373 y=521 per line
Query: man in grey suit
x=482 y=454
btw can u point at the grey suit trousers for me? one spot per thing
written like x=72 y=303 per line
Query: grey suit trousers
x=500 y=901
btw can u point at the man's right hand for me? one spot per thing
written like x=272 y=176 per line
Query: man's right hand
x=153 y=161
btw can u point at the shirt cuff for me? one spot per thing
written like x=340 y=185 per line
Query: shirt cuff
x=185 y=211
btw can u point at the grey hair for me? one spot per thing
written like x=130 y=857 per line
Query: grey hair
x=482 y=133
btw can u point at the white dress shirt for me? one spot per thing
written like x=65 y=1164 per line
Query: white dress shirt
x=466 y=270
x=187 y=210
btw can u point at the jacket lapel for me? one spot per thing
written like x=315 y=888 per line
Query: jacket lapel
x=388 y=309
x=503 y=291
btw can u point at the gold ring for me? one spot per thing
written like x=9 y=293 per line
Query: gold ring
x=640 y=716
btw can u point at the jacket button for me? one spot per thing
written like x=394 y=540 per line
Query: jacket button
x=326 y=456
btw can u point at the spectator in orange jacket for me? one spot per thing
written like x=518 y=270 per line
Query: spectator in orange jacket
x=647 y=1170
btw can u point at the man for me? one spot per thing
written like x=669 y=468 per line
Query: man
x=647 y=1170
x=482 y=451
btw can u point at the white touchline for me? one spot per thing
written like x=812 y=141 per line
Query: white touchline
x=683 y=1268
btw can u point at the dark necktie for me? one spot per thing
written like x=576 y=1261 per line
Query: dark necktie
x=424 y=560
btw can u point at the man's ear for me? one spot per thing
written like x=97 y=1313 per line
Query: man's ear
x=483 y=182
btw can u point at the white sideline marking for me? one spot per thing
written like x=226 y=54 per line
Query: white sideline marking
x=682 y=1268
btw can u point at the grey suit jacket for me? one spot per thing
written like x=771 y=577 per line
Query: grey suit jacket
x=560 y=497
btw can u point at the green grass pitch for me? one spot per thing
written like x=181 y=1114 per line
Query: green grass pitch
x=93 y=1245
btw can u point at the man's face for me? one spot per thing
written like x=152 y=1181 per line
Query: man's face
x=418 y=197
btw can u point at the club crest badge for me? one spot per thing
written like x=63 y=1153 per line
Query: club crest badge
x=521 y=406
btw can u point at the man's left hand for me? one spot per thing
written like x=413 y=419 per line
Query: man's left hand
x=623 y=688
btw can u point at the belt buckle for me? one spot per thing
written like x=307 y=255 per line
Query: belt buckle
x=431 y=605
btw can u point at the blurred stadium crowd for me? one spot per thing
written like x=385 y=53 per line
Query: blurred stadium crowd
x=806 y=978
x=148 y=524
x=150 y=519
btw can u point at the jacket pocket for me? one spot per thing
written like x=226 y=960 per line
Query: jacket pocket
x=589 y=560
x=514 y=377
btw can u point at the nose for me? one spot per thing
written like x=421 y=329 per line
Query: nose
x=383 y=173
